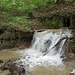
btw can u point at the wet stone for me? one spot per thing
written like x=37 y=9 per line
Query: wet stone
x=22 y=70
x=14 y=68
x=1 y=61
x=71 y=73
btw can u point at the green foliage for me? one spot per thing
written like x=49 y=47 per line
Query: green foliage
x=72 y=21
x=26 y=6
x=17 y=4
x=9 y=20
x=22 y=4
x=52 y=22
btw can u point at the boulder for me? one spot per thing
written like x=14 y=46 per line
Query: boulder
x=1 y=61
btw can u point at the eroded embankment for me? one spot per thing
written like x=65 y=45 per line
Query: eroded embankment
x=14 y=37
x=17 y=37
x=42 y=70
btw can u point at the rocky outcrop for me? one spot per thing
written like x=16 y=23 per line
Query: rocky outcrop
x=14 y=37
x=13 y=68
x=72 y=43
x=1 y=61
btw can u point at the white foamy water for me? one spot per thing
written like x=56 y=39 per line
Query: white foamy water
x=47 y=49
x=73 y=71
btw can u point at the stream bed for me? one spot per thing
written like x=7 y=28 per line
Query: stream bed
x=38 y=70
x=45 y=56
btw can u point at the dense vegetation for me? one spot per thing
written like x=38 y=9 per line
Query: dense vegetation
x=27 y=4
x=16 y=12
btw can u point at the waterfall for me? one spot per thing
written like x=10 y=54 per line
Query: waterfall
x=48 y=48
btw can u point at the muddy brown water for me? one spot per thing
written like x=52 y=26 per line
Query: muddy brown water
x=53 y=70
x=39 y=70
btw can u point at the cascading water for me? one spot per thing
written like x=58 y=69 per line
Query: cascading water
x=48 y=48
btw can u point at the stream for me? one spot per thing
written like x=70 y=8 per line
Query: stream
x=46 y=54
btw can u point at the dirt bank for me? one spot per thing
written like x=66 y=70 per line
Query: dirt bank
x=14 y=37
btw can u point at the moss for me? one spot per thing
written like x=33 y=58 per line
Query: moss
x=72 y=21
x=54 y=22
